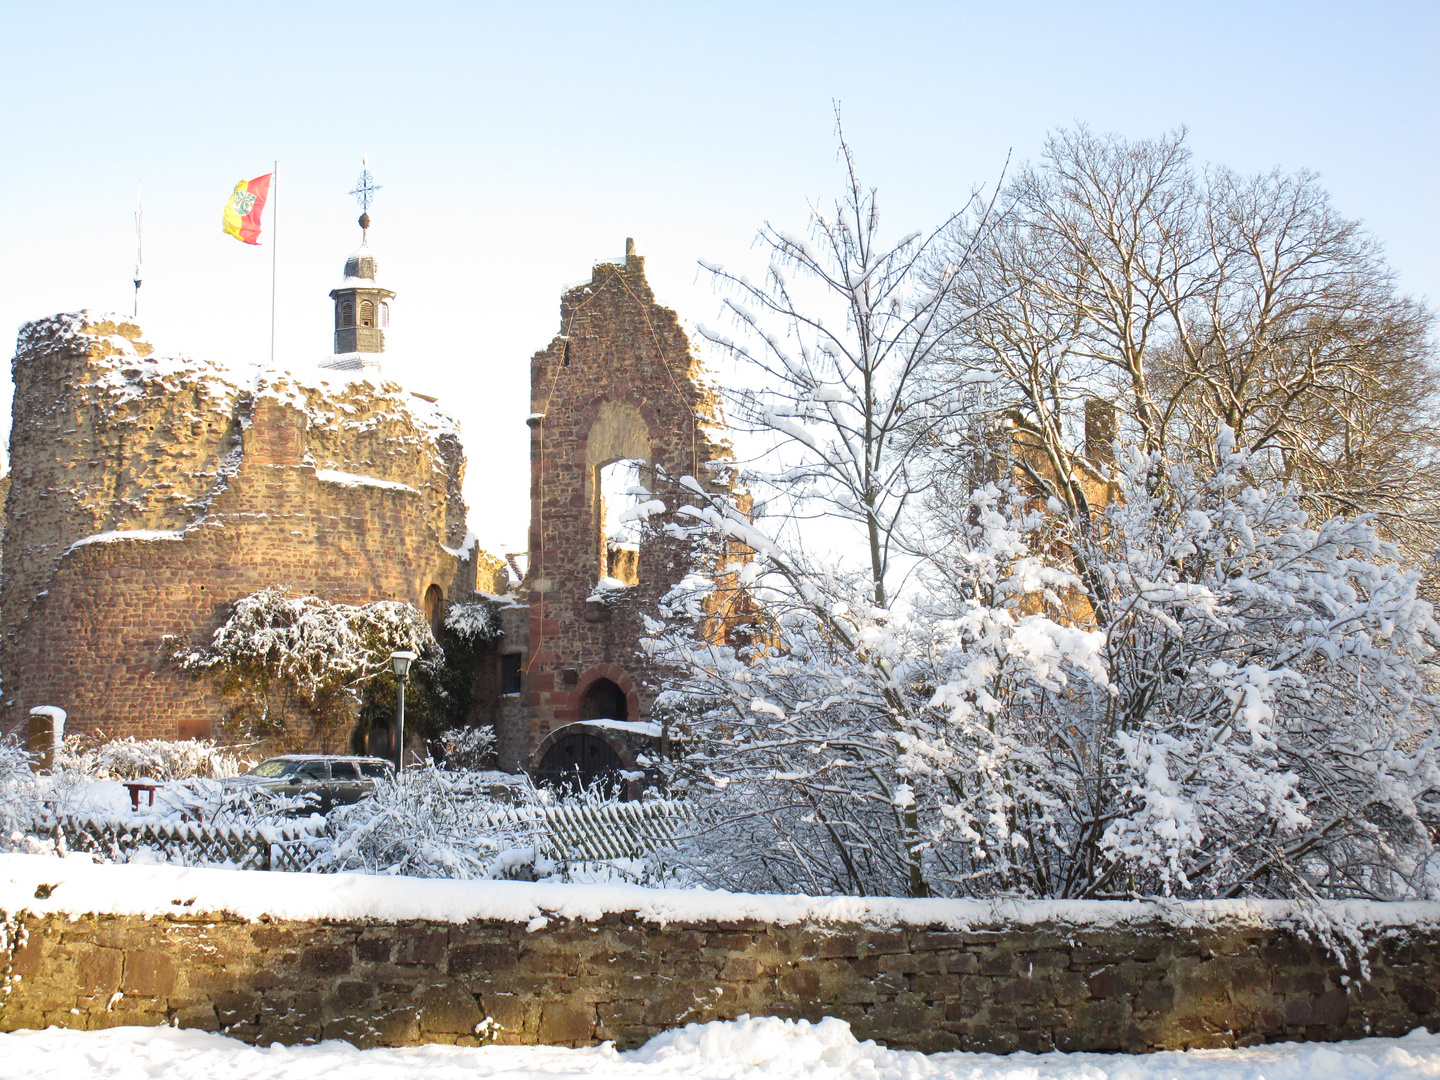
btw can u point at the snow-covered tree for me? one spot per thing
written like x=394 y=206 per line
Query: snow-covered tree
x=1099 y=678
x=1253 y=718
x=283 y=660
x=833 y=343
x=1190 y=297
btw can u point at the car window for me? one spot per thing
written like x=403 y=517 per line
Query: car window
x=273 y=767
x=312 y=770
x=374 y=769
x=343 y=770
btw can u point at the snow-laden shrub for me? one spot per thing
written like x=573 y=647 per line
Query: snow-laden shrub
x=19 y=797
x=441 y=823
x=281 y=659
x=158 y=759
x=468 y=748
x=430 y=822
x=1231 y=702
x=473 y=621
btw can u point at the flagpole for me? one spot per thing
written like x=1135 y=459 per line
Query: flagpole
x=274 y=244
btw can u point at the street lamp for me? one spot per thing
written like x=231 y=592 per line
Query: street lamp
x=400 y=661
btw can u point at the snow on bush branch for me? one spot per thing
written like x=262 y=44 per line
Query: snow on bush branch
x=278 y=651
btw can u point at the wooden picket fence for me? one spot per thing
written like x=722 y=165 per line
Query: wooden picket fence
x=578 y=832
x=570 y=833
x=188 y=843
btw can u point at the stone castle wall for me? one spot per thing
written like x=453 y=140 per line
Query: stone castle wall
x=620 y=381
x=996 y=987
x=147 y=495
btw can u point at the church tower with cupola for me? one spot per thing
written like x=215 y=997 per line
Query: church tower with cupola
x=362 y=307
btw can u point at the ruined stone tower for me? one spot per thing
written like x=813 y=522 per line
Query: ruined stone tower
x=620 y=413
x=152 y=493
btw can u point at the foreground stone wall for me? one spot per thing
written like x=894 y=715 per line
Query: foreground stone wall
x=1033 y=987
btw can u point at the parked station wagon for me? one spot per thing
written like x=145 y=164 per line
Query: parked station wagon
x=334 y=779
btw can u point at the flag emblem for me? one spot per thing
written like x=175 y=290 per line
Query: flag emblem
x=247 y=203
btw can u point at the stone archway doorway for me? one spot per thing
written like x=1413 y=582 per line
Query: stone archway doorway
x=604 y=700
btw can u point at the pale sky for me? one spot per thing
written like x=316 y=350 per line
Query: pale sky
x=518 y=144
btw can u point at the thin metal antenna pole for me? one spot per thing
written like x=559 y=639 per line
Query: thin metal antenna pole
x=139 y=251
x=274 y=245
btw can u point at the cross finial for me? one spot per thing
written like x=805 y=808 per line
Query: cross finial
x=365 y=187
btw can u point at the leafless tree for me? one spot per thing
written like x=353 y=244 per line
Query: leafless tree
x=1117 y=270
x=834 y=341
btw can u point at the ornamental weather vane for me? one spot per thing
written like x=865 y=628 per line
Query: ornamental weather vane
x=364 y=192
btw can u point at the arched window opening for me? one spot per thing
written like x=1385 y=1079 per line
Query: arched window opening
x=384 y=314
x=434 y=608
x=621 y=490
x=347 y=315
x=367 y=313
x=604 y=700
x=582 y=761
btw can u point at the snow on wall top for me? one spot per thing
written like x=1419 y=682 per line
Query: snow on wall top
x=162 y=435
x=77 y=886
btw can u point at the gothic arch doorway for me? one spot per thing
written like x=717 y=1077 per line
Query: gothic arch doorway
x=603 y=700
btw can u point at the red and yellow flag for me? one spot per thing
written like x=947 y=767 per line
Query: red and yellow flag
x=242 y=212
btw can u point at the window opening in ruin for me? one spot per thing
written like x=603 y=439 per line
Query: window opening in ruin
x=367 y=313
x=621 y=490
x=604 y=700
x=434 y=607
x=510 y=672
x=582 y=761
x=347 y=315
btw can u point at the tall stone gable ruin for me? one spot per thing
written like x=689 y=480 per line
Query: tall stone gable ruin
x=619 y=383
x=148 y=494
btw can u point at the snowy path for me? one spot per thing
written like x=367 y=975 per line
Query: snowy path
x=741 y=1050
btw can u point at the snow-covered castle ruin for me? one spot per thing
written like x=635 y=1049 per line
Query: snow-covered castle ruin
x=149 y=494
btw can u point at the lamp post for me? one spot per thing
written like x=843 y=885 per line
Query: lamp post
x=400 y=661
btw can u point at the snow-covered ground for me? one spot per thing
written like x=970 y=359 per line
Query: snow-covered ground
x=762 y=1047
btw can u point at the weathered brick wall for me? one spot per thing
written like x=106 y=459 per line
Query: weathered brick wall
x=512 y=711
x=248 y=487
x=620 y=381
x=994 y=988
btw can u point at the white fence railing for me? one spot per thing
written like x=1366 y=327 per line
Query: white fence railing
x=565 y=833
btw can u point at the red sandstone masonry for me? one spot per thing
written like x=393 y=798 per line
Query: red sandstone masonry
x=618 y=350
x=100 y=446
x=1036 y=987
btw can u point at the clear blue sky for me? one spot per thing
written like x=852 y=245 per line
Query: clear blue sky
x=517 y=144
